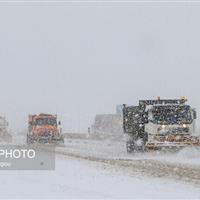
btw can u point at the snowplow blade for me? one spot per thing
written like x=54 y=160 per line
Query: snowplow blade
x=171 y=145
x=45 y=140
x=174 y=141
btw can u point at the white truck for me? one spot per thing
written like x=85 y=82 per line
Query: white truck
x=160 y=123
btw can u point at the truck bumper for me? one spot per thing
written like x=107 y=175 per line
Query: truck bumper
x=171 y=145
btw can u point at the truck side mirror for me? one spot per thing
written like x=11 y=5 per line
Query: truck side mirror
x=194 y=114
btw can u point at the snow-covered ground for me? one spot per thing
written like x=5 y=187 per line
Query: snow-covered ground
x=74 y=178
x=111 y=148
x=117 y=149
x=101 y=168
x=183 y=165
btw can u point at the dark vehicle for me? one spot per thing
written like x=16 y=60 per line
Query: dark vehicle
x=155 y=124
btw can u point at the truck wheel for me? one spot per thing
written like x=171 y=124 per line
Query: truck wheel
x=63 y=140
x=28 y=140
x=129 y=147
x=139 y=145
x=142 y=147
x=135 y=146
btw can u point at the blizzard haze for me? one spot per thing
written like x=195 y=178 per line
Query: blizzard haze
x=78 y=61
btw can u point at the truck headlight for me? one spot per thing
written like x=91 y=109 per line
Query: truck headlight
x=163 y=126
x=184 y=126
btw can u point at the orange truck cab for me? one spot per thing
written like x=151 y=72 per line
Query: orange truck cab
x=44 y=128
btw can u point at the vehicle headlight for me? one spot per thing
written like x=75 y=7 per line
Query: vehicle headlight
x=163 y=126
x=178 y=137
x=184 y=126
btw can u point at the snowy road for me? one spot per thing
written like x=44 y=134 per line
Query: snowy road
x=89 y=168
x=183 y=165
x=74 y=178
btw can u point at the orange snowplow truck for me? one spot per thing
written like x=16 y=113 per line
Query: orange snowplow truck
x=44 y=128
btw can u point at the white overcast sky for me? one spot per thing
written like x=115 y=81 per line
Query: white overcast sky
x=78 y=61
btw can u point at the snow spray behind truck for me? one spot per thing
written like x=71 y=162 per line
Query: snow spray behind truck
x=44 y=128
x=158 y=124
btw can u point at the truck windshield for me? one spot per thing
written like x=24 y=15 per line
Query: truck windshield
x=172 y=114
x=45 y=122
